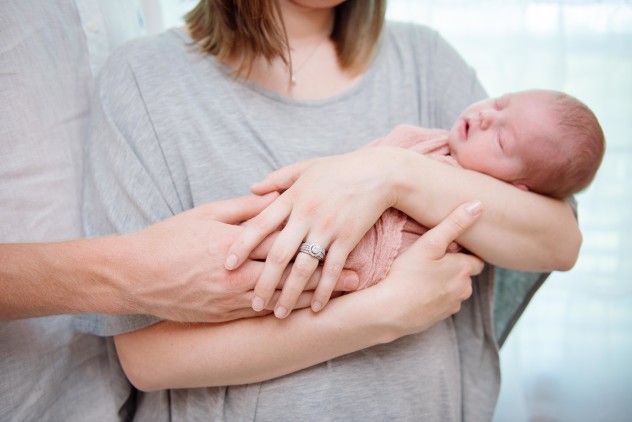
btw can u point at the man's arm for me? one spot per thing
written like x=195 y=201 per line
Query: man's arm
x=39 y=279
x=166 y=270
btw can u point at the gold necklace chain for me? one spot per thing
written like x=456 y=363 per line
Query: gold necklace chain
x=293 y=72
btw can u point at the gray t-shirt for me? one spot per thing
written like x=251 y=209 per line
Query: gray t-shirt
x=173 y=129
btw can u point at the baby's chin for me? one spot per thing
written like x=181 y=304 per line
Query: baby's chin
x=454 y=138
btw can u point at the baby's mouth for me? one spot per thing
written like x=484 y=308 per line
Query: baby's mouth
x=466 y=128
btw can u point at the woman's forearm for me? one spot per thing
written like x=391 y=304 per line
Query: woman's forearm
x=425 y=285
x=519 y=230
x=173 y=355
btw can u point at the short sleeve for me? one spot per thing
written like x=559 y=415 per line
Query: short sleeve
x=455 y=84
x=127 y=184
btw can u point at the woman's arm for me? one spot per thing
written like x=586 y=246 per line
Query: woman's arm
x=520 y=230
x=424 y=286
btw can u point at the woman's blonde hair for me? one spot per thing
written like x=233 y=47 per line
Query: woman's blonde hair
x=247 y=29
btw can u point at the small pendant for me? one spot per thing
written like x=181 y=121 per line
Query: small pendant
x=293 y=80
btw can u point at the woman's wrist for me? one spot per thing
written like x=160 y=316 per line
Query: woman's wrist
x=403 y=182
x=376 y=315
x=396 y=173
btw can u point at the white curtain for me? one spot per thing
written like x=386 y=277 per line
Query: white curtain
x=570 y=357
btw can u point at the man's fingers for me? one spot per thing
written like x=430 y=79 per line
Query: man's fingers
x=304 y=300
x=347 y=282
x=280 y=179
x=256 y=231
x=236 y=210
x=437 y=240
x=263 y=248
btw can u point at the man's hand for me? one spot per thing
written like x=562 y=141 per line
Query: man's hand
x=175 y=269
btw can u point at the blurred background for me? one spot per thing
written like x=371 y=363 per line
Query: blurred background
x=569 y=357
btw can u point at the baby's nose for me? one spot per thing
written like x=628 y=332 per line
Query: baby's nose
x=485 y=119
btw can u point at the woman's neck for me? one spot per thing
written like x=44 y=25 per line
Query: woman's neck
x=305 y=25
x=315 y=72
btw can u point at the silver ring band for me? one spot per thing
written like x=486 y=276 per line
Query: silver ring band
x=313 y=249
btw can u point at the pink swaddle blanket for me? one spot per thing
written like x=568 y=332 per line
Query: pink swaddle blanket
x=394 y=231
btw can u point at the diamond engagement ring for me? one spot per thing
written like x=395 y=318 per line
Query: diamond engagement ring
x=313 y=249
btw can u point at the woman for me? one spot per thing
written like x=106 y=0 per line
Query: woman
x=174 y=127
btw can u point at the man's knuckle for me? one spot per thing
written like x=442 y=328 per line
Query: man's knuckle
x=278 y=256
x=332 y=269
x=303 y=269
x=257 y=224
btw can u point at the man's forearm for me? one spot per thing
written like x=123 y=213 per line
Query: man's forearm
x=39 y=279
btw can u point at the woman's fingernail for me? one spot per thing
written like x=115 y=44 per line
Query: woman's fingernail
x=280 y=312
x=316 y=306
x=231 y=262
x=474 y=208
x=351 y=282
x=257 y=303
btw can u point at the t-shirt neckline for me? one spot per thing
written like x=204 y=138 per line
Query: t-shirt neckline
x=254 y=87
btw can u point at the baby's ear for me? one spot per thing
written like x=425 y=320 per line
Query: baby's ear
x=521 y=186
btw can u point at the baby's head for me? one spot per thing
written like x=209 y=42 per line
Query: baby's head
x=544 y=141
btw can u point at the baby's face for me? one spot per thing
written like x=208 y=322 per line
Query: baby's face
x=495 y=136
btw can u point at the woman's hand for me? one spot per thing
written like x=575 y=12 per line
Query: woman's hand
x=426 y=283
x=330 y=201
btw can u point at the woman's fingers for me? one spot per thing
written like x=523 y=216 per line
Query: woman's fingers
x=305 y=267
x=426 y=284
x=281 y=253
x=288 y=243
x=345 y=281
x=331 y=271
x=307 y=274
x=316 y=193
x=436 y=241
x=302 y=269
